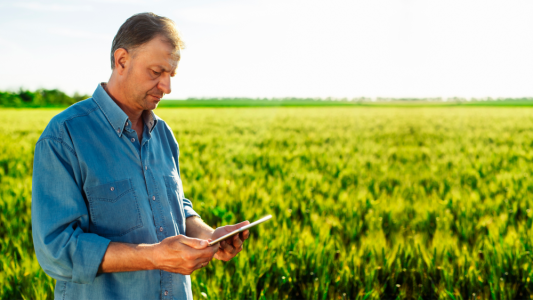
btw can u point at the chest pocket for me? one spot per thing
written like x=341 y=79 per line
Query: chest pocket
x=114 y=209
x=175 y=200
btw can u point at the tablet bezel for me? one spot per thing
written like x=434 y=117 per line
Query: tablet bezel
x=264 y=219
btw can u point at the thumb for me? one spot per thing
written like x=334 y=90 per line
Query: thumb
x=194 y=243
x=239 y=225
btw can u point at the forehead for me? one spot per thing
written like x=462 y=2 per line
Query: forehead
x=158 y=52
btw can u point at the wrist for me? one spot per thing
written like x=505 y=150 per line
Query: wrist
x=196 y=228
x=209 y=232
x=148 y=255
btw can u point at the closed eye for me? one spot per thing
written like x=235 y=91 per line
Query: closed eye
x=156 y=73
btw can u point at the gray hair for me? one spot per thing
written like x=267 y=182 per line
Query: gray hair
x=142 y=28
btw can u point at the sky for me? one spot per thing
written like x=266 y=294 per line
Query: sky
x=284 y=48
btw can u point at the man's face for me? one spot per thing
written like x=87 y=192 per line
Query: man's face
x=149 y=72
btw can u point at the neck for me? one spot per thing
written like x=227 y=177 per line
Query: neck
x=114 y=89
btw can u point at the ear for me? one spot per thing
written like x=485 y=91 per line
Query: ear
x=122 y=58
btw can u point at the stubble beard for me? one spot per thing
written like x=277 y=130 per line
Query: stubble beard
x=138 y=96
x=149 y=104
x=142 y=99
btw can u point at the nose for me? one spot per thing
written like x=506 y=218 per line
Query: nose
x=164 y=84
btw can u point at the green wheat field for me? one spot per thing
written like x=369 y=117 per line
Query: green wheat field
x=367 y=202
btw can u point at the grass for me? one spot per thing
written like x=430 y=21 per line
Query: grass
x=368 y=202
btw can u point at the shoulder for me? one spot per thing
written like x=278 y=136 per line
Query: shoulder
x=165 y=131
x=56 y=127
x=162 y=125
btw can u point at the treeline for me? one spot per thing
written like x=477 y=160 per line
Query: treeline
x=39 y=98
x=57 y=98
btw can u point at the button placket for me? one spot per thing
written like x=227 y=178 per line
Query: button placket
x=153 y=204
x=154 y=200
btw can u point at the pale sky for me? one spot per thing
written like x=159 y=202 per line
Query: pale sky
x=285 y=48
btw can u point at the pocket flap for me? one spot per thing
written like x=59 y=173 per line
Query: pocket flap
x=109 y=191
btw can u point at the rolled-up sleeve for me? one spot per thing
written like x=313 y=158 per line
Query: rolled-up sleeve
x=64 y=248
x=187 y=207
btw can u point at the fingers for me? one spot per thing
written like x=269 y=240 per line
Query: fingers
x=232 y=246
x=226 y=247
x=244 y=235
x=201 y=265
x=213 y=249
x=237 y=242
x=193 y=243
x=215 y=245
x=230 y=228
x=202 y=260
x=241 y=224
x=207 y=253
x=203 y=251
x=193 y=266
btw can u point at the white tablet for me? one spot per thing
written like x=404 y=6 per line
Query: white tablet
x=240 y=230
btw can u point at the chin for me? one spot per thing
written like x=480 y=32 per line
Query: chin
x=151 y=106
x=151 y=103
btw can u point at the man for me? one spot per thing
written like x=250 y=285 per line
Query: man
x=109 y=216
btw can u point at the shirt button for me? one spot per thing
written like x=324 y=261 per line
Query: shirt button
x=153 y=198
x=161 y=228
x=146 y=167
x=112 y=188
x=118 y=130
x=166 y=293
x=132 y=140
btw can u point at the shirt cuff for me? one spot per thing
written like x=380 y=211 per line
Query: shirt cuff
x=189 y=212
x=187 y=208
x=90 y=251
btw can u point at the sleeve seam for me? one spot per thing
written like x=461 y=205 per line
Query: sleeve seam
x=61 y=125
x=53 y=138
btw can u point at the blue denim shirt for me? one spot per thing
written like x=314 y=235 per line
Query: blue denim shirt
x=93 y=182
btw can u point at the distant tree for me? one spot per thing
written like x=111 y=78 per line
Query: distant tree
x=39 y=98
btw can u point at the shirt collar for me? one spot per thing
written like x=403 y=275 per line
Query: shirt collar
x=149 y=119
x=115 y=115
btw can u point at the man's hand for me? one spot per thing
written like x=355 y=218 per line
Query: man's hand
x=227 y=249
x=181 y=254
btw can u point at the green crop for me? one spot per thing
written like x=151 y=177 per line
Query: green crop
x=367 y=202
